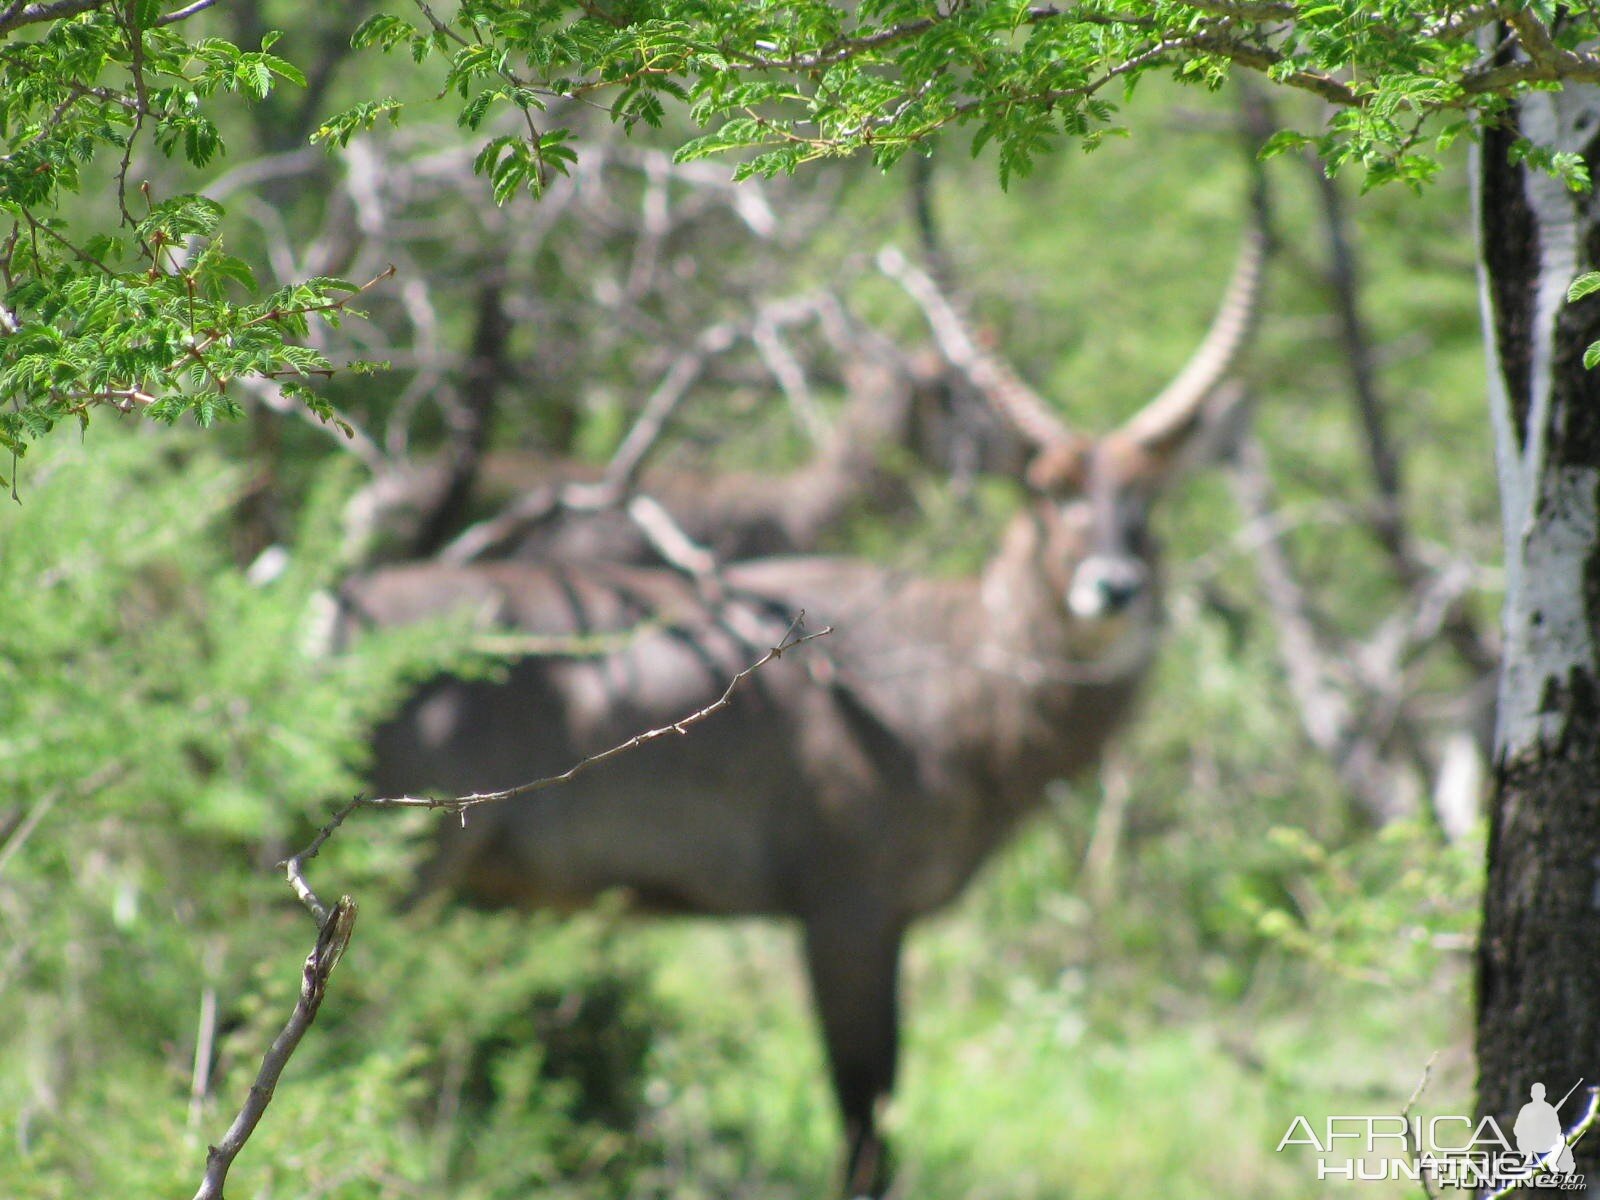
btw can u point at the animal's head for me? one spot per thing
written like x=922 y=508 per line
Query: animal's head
x=1088 y=528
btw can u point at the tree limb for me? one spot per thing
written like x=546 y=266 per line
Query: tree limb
x=333 y=935
x=791 y=639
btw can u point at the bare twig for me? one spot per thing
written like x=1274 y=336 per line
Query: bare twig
x=617 y=484
x=1412 y=1148
x=333 y=935
x=1388 y=521
x=531 y=509
x=24 y=831
x=1325 y=711
x=204 y=1037
x=625 y=464
x=668 y=539
x=294 y=868
x=791 y=639
x=334 y=925
x=1100 y=859
x=184 y=13
x=18 y=835
x=791 y=376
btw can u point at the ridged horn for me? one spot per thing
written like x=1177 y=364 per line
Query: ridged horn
x=1174 y=411
x=1013 y=399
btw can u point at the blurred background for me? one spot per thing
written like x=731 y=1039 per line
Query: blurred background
x=1263 y=906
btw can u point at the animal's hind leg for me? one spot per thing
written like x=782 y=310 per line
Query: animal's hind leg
x=854 y=966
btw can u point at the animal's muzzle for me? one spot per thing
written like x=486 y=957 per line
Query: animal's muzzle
x=1104 y=585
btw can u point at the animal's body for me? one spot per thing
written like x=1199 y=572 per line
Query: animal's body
x=856 y=785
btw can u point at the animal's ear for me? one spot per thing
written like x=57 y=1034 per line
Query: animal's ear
x=1061 y=468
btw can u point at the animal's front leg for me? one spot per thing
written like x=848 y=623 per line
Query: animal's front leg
x=853 y=957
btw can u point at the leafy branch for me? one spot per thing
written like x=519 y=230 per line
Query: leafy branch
x=781 y=85
x=132 y=311
x=111 y=309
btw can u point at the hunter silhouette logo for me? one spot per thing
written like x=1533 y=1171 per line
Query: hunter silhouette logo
x=1452 y=1150
x=1538 y=1132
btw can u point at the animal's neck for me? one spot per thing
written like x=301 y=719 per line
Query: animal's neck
x=1054 y=700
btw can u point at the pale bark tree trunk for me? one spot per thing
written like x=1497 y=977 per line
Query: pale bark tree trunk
x=1539 y=958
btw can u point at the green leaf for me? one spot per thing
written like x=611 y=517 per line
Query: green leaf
x=1583 y=285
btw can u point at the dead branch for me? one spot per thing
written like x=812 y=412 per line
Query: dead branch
x=1100 y=858
x=204 y=1039
x=333 y=935
x=335 y=924
x=13 y=836
x=668 y=539
x=617 y=485
x=458 y=804
x=1326 y=714
x=1413 y=1150
x=488 y=370
x=23 y=830
x=1387 y=519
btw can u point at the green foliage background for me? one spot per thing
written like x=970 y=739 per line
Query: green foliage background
x=1258 y=953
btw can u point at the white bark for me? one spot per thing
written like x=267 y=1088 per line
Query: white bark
x=1548 y=509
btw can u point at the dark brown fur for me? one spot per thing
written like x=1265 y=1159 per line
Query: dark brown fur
x=856 y=785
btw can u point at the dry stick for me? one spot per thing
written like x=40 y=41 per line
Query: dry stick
x=623 y=469
x=784 y=367
x=1413 y=1149
x=669 y=539
x=543 y=503
x=1326 y=714
x=625 y=464
x=617 y=482
x=204 y=1039
x=1100 y=859
x=29 y=823
x=335 y=925
x=457 y=804
x=1389 y=520
x=332 y=938
x=1388 y=523
x=11 y=842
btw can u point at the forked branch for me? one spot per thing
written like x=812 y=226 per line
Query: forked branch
x=335 y=924
x=333 y=935
x=791 y=639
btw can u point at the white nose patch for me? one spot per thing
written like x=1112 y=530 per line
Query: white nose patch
x=1103 y=585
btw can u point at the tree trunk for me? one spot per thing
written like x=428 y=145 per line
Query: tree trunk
x=1539 y=958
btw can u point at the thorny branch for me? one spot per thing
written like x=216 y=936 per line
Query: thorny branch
x=335 y=924
x=457 y=804
x=333 y=935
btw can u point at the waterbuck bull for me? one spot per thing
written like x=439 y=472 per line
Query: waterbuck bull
x=856 y=786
